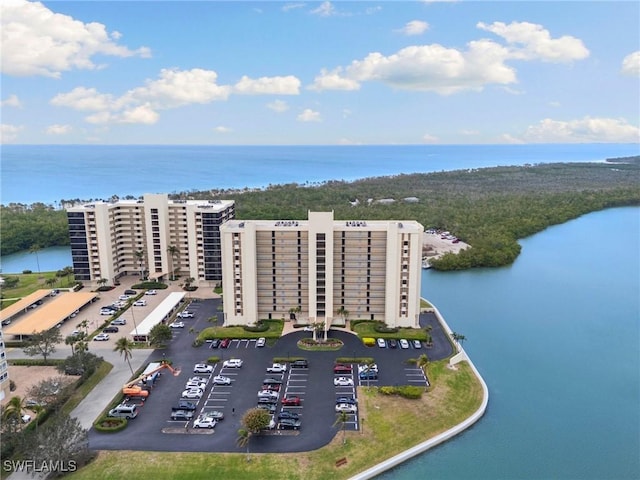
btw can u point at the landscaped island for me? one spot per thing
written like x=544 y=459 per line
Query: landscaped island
x=488 y=208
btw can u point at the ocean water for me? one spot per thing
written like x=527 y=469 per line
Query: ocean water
x=49 y=173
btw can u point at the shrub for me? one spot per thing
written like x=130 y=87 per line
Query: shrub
x=110 y=424
x=197 y=343
x=213 y=360
x=410 y=392
x=149 y=286
x=26 y=272
x=258 y=327
x=381 y=327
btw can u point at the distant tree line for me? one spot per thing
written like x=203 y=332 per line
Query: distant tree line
x=488 y=208
x=25 y=226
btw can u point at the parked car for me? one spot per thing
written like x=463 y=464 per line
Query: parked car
x=119 y=321
x=346 y=407
x=232 y=363
x=192 y=393
x=261 y=342
x=130 y=292
x=124 y=411
x=215 y=414
x=288 y=414
x=271 y=381
x=272 y=400
x=301 y=363
x=269 y=407
x=185 y=314
x=195 y=384
x=368 y=375
x=274 y=387
x=404 y=343
x=225 y=343
x=101 y=337
x=268 y=394
x=381 y=343
x=346 y=399
x=110 y=329
x=343 y=382
x=341 y=368
x=220 y=380
x=204 y=422
x=109 y=311
x=417 y=344
x=176 y=325
x=289 y=424
x=202 y=368
x=215 y=343
x=185 y=405
x=368 y=368
x=292 y=400
x=140 y=303
x=392 y=343
x=277 y=368
x=150 y=292
x=124 y=298
x=182 y=415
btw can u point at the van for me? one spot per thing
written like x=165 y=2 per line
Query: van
x=124 y=411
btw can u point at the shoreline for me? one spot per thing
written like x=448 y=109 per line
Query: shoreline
x=427 y=445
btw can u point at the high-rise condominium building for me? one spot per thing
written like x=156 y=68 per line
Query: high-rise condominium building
x=319 y=269
x=153 y=236
x=4 y=370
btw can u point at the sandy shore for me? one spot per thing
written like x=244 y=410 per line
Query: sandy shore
x=433 y=246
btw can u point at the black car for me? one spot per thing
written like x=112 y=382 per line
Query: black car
x=185 y=405
x=392 y=343
x=289 y=424
x=300 y=364
x=288 y=414
x=181 y=415
x=271 y=381
x=215 y=343
x=349 y=400
x=110 y=329
x=130 y=292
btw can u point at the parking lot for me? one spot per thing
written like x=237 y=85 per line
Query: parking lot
x=313 y=386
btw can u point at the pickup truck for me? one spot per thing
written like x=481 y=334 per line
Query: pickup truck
x=277 y=368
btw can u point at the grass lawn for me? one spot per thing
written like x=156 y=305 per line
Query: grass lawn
x=30 y=282
x=367 y=329
x=274 y=331
x=392 y=425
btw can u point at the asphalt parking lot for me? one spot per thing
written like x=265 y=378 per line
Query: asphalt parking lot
x=153 y=429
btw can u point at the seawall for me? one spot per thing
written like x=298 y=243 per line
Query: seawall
x=444 y=436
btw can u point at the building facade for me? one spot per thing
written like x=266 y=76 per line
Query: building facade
x=153 y=237
x=317 y=269
x=4 y=370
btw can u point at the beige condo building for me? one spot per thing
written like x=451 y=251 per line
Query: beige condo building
x=4 y=370
x=152 y=235
x=316 y=269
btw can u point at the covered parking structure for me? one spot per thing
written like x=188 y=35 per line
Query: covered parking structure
x=55 y=311
x=159 y=315
x=22 y=306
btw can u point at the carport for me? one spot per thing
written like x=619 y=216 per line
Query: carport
x=159 y=314
x=50 y=314
x=22 y=305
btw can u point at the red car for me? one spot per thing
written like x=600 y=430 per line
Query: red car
x=272 y=387
x=291 y=401
x=341 y=368
x=225 y=343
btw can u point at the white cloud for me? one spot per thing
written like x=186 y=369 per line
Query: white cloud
x=37 y=41
x=292 y=6
x=427 y=138
x=83 y=99
x=555 y=104
x=333 y=81
x=278 y=106
x=288 y=85
x=470 y=132
x=631 y=64
x=309 y=115
x=372 y=10
x=536 y=42
x=415 y=27
x=9 y=133
x=585 y=130
x=144 y=114
x=222 y=129
x=326 y=9
x=11 y=101
x=58 y=129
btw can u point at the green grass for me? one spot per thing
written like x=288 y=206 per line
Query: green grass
x=83 y=390
x=274 y=331
x=392 y=425
x=367 y=329
x=30 y=282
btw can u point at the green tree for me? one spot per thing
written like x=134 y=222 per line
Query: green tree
x=12 y=411
x=160 y=334
x=125 y=347
x=255 y=420
x=139 y=254
x=43 y=343
x=423 y=363
x=50 y=282
x=35 y=248
x=173 y=252
x=243 y=439
x=68 y=272
x=458 y=338
x=341 y=419
x=102 y=282
x=61 y=440
x=344 y=313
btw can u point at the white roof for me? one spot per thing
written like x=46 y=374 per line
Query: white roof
x=160 y=313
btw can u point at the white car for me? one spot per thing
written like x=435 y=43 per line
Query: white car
x=101 y=337
x=192 y=393
x=267 y=394
x=202 y=368
x=381 y=343
x=140 y=303
x=404 y=343
x=192 y=384
x=232 y=363
x=204 y=380
x=343 y=382
x=346 y=407
x=124 y=298
x=261 y=342
x=204 y=422
x=367 y=368
x=150 y=292
x=185 y=314
x=277 y=368
x=176 y=325
x=106 y=311
x=220 y=380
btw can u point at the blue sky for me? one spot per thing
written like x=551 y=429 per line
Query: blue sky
x=319 y=73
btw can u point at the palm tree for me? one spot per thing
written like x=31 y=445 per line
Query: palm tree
x=344 y=313
x=173 y=251
x=341 y=419
x=68 y=271
x=139 y=254
x=35 y=248
x=125 y=347
x=12 y=411
x=458 y=338
x=50 y=282
x=242 y=441
x=422 y=363
x=102 y=282
x=84 y=324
